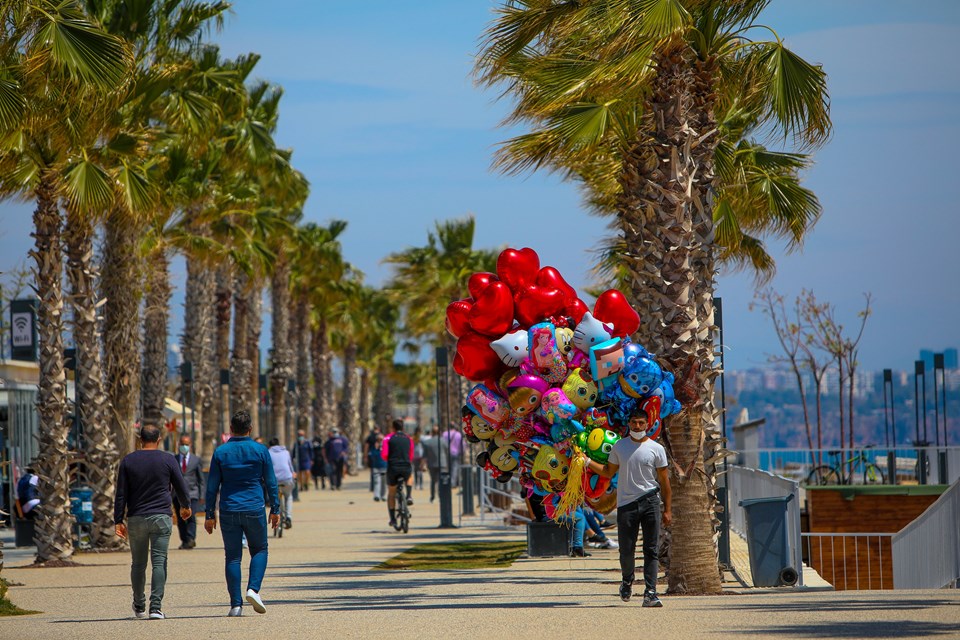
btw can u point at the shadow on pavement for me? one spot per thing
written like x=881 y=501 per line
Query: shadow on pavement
x=840 y=605
x=871 y=629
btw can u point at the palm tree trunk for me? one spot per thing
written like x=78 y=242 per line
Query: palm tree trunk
x=281 y=368
x=383 y=397
x=241 y=367
x=255 y=324
x=349 y=404
x=52 y=535
x=320 y=356
x=121 y=289
x=91 y=400
x=301 y=328
x=222 y=316
x=364 y=405
x=156 y=333
x=197 y=338
x=665 y=213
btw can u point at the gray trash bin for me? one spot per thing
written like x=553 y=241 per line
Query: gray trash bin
x=771 y=560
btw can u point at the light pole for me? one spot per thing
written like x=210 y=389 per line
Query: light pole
x=724 y=541
x=920 y=372
x=443 y=418
x=890 y=425
x=941 y=454
x=291 y=408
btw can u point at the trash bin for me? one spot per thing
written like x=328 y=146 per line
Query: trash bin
x=22 y=532
x=81 y=504
x=771 y=559
x=546 y=539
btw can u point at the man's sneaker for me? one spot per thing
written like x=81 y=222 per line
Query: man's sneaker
x=609 y=544
x=626 y=590
x=595 y=539
x=235 y=612
x=139 y=613
x=409 y=502
x=651 y=600
x=254 y=599
x=578 y=552
x=287 y=523
x=393 y=523
x=156 y=615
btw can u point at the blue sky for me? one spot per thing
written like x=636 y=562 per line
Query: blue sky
x=386 y=123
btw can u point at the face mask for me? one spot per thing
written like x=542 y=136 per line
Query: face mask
x=184 y=449
x=638 y=435
x=301 y=439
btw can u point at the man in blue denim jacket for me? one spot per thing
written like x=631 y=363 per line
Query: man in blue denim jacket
x=239 y=471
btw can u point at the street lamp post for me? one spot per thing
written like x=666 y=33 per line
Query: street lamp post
x=890 y=425
x=443 y=418
x=918 y=400
x=941 y=454
x=724 y=541
x=292 y=409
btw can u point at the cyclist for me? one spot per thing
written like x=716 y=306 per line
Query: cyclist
x=283 y=469
x=397 y=450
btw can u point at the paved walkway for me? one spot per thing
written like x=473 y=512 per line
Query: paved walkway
x=320 y=585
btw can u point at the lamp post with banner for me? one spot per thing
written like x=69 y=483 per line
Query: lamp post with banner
x=444 y=488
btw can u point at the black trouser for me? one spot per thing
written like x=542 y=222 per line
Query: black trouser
x=188 y=527
x=644 y=514
x=434 y=479
x=338 y=469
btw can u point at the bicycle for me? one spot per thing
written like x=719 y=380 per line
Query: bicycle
x=403 y=509
x=834 y=474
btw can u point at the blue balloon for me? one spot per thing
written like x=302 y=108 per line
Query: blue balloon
x=641 y=378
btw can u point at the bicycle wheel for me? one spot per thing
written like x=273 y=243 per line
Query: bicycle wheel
x=872 y=474
x=823 y=475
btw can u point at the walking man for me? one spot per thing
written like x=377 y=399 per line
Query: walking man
x=336 y=450
x=304 y=459
x=283 y=470
x=239 y=472
x=192 y=472
x=643 y=476
x=143 y=494
x=431 y=453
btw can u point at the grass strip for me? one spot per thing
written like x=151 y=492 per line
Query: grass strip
x=7 y=608
x=443 y=556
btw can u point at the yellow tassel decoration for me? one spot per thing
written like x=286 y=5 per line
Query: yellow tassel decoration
x=574 y=493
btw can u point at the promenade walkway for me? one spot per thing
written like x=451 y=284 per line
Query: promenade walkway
x=320 y=585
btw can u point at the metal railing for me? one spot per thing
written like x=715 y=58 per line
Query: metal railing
x=861 y=465
x=498 y=497
x=926 y=553
x=851 y=560
x=744 y=483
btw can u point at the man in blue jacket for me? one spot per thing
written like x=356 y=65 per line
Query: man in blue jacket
x=239 y=471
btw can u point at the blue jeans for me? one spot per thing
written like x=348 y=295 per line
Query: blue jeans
x=233 y=526
x=579 y=525
x=591 y=520
x=149 y=535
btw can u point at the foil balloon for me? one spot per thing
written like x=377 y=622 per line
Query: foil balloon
x=475 y=360
x=669 y=405
x=595 y=419
x=518 y=267
x=525 y=392
x=534 y=304
x=488 y=405
x=556 y=406
x=607 y=500
x=651 y=406
x=513 y=348
x=479 y=281
x=633 y=350
x=564 y=429
x=606 y=361
x=458 y=317
x=545 y=355
x=612 y=307
x=580 y=388
x=641 y=378
x=550 y=469
x=492 y=312
x=597 y=444
x=590 y=332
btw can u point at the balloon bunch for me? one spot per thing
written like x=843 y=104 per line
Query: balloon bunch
x=553 y=379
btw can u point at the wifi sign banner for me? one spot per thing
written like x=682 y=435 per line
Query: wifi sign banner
x=23 y=331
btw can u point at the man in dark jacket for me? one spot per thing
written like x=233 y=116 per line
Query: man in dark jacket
x=192 y=470
x=143 y=493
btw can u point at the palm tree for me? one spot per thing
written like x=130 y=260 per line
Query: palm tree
x=427 y=279
x=349 y=319
x=377 y=346
x=51 y=53
x=624 y=96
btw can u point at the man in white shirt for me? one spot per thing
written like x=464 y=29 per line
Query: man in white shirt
x=283 y=469
x=642 y=464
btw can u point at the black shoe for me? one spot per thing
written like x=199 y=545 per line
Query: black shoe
x=393 y=523
x=409 y=501
x=626 y=590
x=578 y=552
x=190 y=544
x=287 y=523
x=651 y=600
x=607 y=525
x=595 y=538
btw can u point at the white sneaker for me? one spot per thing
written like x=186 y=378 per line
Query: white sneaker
x=254 y=599
x=140 y=615
x=609 y=544
x=156 y=615
x=235 y=612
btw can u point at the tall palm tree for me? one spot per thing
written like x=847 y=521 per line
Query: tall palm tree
x=377 y=348
x=349 y=319
x=426 y=279
x=624 y=96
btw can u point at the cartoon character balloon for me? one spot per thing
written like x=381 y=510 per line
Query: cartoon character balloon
x=488 y=405
x=556 y=406
x=597 y=444
x=641 y=378
x=545 y=356
x=590 y=332
x=513 y=348
x=606 y=361
x=525 y=393
x=550 y=468
x=580 y=388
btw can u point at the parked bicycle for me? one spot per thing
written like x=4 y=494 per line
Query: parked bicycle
x=844 y=471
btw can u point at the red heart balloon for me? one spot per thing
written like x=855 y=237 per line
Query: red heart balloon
x=475 y=360
x=576 y=310
x=492 y=313
x=479 y=281
x=518 y=267
x=458 y=320
x=549 y=277
x=612 y=308
x=536 y=304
